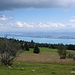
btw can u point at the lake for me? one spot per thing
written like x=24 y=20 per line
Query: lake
x=44 y=40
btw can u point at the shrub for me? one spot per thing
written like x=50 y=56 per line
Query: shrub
x=62 y=51
x=69 y=55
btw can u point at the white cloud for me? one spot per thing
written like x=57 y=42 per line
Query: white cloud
x=19 y=24
x=71 y=26
x=39 y=25
x=51 y=25
x=13 y=4
x=23 y=24
x=4 y=18
x=72 y=20
x=32 y=26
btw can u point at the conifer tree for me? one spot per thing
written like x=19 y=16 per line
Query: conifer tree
x=36 y=49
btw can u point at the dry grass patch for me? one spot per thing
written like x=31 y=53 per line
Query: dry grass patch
x=45 y=57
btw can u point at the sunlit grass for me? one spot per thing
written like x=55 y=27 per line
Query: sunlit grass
x=37 y=69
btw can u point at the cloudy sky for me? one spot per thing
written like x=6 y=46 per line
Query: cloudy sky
x=37 y=15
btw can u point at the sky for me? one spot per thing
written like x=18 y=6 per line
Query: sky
x=37 y=15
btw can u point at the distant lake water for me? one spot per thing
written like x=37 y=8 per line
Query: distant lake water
x=44 y=40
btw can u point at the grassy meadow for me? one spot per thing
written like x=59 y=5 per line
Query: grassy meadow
x=37 y=69
x=47 y=62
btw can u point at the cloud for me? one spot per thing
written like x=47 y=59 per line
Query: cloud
x=19 y=24
x=51 y=25
x=22 y=26
x=72 y=26
x=39 y=25
x=14 y=4
x=72 y=20
x=3 y=18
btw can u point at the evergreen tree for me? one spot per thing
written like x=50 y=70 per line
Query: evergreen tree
x=36 y=49
x=32 y=44
x=26 y=46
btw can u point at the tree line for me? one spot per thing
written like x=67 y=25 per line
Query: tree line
x=20 y=44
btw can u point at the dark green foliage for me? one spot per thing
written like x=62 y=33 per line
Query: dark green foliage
x=53 y=72
x=73 y=69
x=71 y=47
x=25 y=46
x=31 y=44
x=53 y=46
x=32 y=41
x=36 y=49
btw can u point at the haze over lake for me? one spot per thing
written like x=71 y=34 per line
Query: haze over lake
x=43 y=37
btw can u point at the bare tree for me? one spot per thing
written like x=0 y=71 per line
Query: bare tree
x=8 y=51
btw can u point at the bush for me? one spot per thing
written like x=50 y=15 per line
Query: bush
x=62 y=51
x=69 y=55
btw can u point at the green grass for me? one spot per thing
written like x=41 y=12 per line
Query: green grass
x=71 y=51
x=37 y=69
x=42 y=49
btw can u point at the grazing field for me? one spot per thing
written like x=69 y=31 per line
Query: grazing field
x=47 y=62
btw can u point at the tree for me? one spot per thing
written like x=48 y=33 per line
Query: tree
x=36 y=49
x=8 y=51
x=25 y=46
x=31 y=45
x=62 y=51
